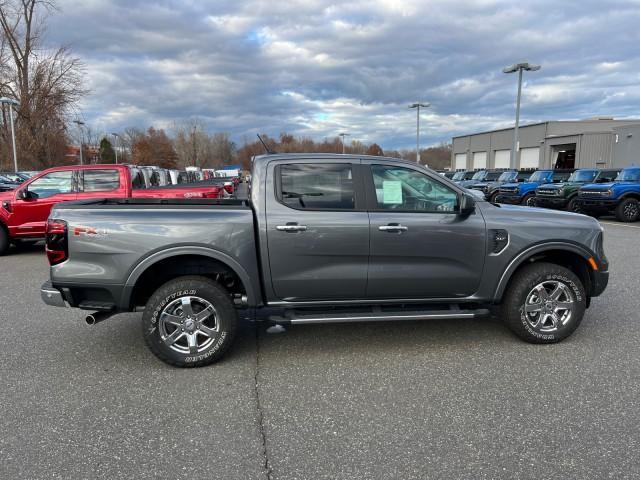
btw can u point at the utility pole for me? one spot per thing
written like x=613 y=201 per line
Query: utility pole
x=417 y=107
x=12 y=103
x=518 y=67
x=343 y=135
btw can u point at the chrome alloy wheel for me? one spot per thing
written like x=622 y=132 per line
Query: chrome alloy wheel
x=188 y=325
x=549 y=306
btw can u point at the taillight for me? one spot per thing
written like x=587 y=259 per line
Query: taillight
x=214 y=193
x=229 y=188
x=56 y=241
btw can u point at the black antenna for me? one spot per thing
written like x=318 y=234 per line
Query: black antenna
x=269 y=151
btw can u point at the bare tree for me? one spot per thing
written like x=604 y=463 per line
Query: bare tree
x=47 y=84
x=195 y=147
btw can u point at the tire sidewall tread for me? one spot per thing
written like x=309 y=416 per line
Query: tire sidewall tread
x=520 y=286
x=190 y=285
x=620 y=215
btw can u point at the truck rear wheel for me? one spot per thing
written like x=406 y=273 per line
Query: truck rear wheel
x=628 y=210
x=544 y=303
x=189 y=322
x=4 y=241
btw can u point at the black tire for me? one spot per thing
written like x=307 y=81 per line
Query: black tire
x=521 y=290
x=628 y=210
x=167 y=301
x=529 y=200
x=492 y=197
x=574 y=205
x=4 y=241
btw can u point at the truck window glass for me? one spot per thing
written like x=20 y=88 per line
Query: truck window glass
x=137 y=179
x=101 y=180
x=52 y=184
x=326 y=187
x=400 y=188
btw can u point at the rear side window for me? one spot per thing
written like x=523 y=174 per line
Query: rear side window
x=317 y=187
x=137 y=179
x=101 y=180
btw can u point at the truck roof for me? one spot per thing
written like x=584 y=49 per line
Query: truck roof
x=327 y=156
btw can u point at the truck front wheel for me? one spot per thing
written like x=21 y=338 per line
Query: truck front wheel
x=628 y=210
x=544 y=303
x=189 y=322
x=529 y=200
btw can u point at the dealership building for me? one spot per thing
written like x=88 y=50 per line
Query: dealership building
x=598 y=142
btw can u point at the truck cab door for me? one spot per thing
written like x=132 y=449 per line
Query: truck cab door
x=33 y=201
x=420 y=246
x=317 y=230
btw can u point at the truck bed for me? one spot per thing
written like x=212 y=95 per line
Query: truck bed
x=109 y=240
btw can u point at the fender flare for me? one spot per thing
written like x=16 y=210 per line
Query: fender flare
x=528 y=253
x=161 y=255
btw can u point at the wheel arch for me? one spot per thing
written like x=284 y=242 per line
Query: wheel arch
x=634 y=195
x=164 y=266
x=568 y=255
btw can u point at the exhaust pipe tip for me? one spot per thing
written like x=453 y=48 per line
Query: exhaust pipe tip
x=97 y=317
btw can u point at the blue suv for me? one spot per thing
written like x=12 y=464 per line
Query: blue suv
x=525 y=193
x=621 y=197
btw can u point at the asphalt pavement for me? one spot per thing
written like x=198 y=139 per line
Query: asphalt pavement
x=434 y=399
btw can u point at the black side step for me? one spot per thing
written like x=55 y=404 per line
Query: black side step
x=300 y=317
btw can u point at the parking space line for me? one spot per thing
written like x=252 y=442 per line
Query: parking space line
x=620 y=225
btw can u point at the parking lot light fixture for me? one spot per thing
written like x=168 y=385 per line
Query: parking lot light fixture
x=417 y=107
x=80 y=125
x=115 y=145
x=343 y=135
x=518 y=67
x=12 y=104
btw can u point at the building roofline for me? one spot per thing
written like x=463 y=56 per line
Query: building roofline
x=589 y=120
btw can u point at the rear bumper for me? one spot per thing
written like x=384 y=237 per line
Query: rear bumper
x=551 y=202
x=52 y=296
x=510 y=199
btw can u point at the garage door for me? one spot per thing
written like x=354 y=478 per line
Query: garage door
x=461 y=161
x=479 y=160
x=530 y=157
x=502 y=158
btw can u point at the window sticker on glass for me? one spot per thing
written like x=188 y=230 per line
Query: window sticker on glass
x=392 y=192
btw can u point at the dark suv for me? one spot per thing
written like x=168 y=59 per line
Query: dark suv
x=564 y=195
x=490 y=187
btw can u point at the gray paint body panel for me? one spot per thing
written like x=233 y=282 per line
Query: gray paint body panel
x=444 y=259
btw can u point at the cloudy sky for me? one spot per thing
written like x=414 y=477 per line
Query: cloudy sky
x=316 y=67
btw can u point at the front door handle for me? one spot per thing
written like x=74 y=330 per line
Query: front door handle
x=393 y=228
x=291 y=227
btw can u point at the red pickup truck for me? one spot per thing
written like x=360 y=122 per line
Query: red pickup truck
x=24 y=211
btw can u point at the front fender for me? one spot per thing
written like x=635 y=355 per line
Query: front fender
x=530 y=252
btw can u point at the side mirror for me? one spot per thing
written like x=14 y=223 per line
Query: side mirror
x=467 y=205
x=25 y=194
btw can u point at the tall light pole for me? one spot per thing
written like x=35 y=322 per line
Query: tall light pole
x=115 y=143
x=518 y=67
x=12 y=103
x=417 y=106
x=80 y=125
x=343 y=135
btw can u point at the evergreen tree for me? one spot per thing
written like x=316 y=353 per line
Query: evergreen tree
x=107 y=154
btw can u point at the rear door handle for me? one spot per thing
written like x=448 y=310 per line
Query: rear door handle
x=291 y=228
x=393 y=228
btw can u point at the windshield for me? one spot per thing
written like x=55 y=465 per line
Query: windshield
x=583 y=176
x=631 y=175
x=539 y=176
x=468 y=175
x=507 y=176
x=479 y=175
x=458 y=176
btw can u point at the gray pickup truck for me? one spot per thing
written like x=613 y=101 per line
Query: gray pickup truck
x=322 y=238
